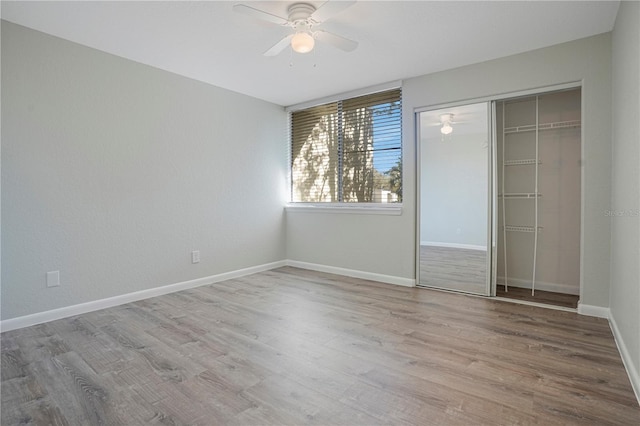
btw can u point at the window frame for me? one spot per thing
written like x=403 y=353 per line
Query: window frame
x=389 y=209
x=348 y=207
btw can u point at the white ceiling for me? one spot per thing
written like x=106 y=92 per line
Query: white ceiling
x=207 y=41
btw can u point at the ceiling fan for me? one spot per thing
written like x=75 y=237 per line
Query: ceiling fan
x=445 y=122
x=303 y=18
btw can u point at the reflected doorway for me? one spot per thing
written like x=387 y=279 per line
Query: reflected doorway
x=454 y=169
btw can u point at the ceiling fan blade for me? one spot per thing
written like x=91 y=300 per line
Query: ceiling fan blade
x=330 y=8
x=279 y=46
x=257 y=13
x=336 y=40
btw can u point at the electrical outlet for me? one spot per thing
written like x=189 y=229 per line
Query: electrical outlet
x=195 y=256
x=53 y=279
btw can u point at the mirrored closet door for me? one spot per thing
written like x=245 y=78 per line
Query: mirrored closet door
x=454 y=181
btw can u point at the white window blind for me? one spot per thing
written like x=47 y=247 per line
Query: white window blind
x=348 y=151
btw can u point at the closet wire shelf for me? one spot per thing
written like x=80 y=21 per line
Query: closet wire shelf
x=544 y=126
x=520 y=195
x=524 y=162
x=515 y=228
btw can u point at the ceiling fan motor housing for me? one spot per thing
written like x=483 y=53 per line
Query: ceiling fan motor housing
x=300 y=13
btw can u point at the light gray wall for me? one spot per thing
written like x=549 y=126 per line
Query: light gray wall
x=361 y=242
x=454 y=187
x=625 y=197
x=386 y=244
x=113 y=172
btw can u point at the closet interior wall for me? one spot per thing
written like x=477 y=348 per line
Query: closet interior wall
x=539 y=162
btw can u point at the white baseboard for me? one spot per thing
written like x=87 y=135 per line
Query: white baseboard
x=95 y=305
x=541 y=285
x=453 y=245
x=634 y=378
x=389 y=279
x=593 y=311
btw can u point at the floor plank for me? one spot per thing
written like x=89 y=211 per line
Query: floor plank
x=291 y=346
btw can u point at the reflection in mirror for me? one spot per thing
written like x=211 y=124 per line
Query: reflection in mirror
x=454 y=198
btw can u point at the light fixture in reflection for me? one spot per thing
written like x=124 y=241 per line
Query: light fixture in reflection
x=445 y=120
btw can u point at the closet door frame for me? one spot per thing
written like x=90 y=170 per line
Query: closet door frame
x=492 y=225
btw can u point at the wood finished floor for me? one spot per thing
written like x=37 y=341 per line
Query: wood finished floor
x=297 y=347
x=453 y=269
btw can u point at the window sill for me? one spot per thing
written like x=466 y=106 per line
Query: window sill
x=344 y=208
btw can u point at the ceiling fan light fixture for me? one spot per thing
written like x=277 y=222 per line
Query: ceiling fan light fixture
x=302 y=42
x=446 y=129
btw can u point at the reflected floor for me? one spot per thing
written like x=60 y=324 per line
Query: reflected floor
x=453 y=269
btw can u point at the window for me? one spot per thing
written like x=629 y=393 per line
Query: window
x=348 y=151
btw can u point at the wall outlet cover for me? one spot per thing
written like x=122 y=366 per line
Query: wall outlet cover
x=53 y=279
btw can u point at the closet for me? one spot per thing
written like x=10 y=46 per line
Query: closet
x=539 y=197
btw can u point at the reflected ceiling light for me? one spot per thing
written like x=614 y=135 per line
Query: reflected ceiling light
x=446 y=129
x=445 y=120
x=302 y=42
